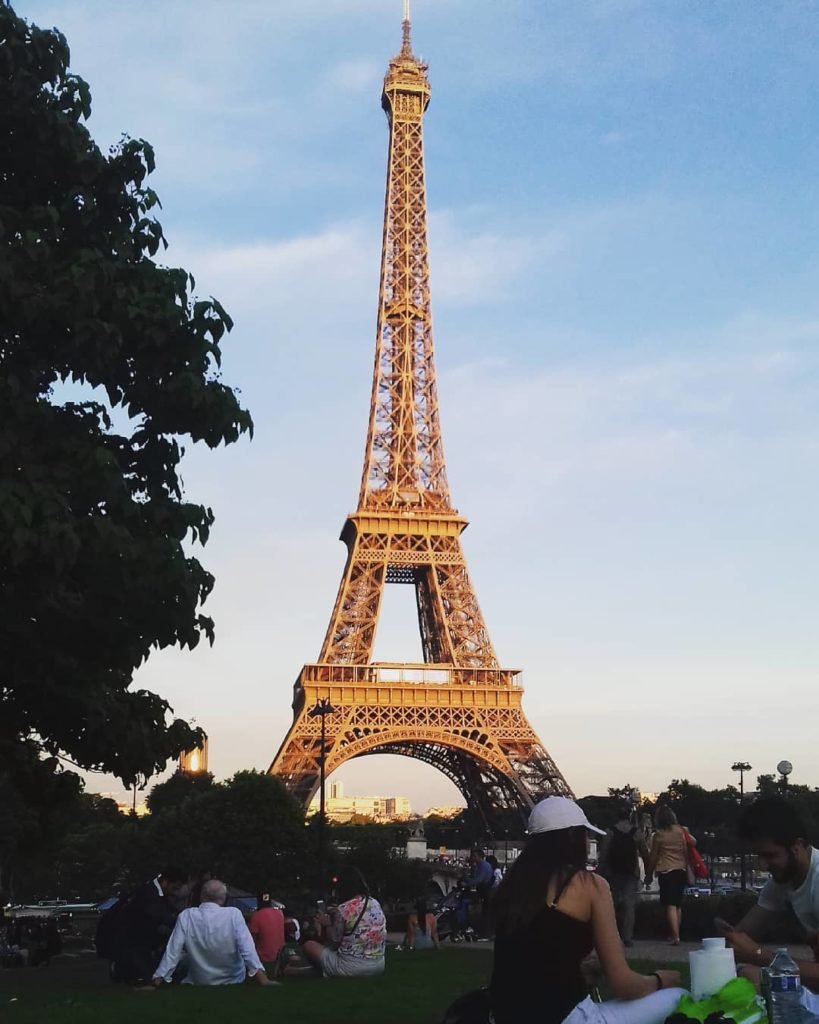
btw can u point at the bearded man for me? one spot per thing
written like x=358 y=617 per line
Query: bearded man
x=775 y=832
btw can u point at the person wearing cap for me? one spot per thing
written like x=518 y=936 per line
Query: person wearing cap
x=550 y=913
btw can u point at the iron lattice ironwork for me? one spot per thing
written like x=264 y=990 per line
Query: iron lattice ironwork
x=458 y=711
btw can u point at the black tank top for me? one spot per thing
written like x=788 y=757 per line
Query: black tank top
x=536 y=971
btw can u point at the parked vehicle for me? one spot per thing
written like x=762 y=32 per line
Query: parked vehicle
x=726 y=889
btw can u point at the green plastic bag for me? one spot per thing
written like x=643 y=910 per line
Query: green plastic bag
x=736 y=1001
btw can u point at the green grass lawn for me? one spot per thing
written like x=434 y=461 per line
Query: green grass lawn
x=415 y=989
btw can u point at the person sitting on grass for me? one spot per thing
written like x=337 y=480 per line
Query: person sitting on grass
x=774 y=830
x=137 y=927
x=267 y=928
x=422 y=928
x=550 y=912
x=215 y=941
x=354 y=934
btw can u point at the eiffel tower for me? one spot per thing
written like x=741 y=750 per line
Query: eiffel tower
x=459 y=710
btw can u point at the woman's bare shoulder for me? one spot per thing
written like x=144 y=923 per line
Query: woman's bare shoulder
x=588 y=884
x=600 y=886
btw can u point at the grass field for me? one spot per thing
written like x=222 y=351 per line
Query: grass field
x=415 y=989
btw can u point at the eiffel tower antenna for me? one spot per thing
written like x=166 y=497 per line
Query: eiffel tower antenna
x=406 y=43
x=458 y=710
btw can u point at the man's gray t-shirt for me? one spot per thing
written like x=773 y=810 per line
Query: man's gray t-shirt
x=804 y=900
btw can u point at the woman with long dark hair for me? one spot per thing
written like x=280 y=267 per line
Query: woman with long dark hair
x=549 y=913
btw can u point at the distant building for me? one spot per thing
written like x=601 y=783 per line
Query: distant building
x=125 y=807
x=339 y=807
x=444 y=812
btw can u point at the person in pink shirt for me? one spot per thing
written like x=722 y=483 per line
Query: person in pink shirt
x=267 y=928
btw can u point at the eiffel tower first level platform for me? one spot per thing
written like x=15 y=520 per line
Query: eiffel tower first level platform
x=458 y=710
x=466 y=722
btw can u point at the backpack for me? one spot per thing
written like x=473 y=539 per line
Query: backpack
x=622 y=852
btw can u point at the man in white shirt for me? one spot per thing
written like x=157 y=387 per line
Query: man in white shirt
x=776 y=834
x=215 y=941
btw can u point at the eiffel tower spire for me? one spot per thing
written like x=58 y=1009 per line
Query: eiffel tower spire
x=404 y=462
x=458 y=710
x=406 y=44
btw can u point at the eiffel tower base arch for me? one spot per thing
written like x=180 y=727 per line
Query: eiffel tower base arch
x=468 y=724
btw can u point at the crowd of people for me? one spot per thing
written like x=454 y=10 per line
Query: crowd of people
x=665 y=852
x=549 y=915
x=171 y=929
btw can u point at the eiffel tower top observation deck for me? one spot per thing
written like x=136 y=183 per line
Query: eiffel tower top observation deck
x=458 y=710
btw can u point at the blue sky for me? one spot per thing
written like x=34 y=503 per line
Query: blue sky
x=623 y=225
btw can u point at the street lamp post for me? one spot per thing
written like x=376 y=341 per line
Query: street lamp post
x=784 y=768
x=321 y=709
x=741 y=767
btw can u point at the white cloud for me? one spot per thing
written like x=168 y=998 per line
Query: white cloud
x=338 y=265
x=470 y=268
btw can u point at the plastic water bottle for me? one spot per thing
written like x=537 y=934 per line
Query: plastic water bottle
x=785 y=989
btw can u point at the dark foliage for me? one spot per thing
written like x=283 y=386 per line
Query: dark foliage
x=176 y=790
x=106 y=360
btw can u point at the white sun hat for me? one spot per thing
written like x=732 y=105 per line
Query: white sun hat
x=557 y=812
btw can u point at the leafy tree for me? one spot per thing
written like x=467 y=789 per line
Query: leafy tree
x=88 y=856
x=390 y=876
x=623 y=794
x=701 y=810
x=37 y=802
x=600 y=810
x=768 y=785
x=106 y=361
x=181 y=786
x=248 y=831
x=451 y=833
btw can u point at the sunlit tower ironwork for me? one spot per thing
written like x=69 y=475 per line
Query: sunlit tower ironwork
x=459 y=710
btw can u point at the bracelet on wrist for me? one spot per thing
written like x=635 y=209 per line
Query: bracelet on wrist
x=658 y=976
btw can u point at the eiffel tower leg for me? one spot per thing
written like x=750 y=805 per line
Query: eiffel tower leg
x=351 y=633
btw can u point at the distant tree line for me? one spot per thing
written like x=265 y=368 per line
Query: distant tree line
x=56 y=840
x=709 y=813
x=248 y=831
